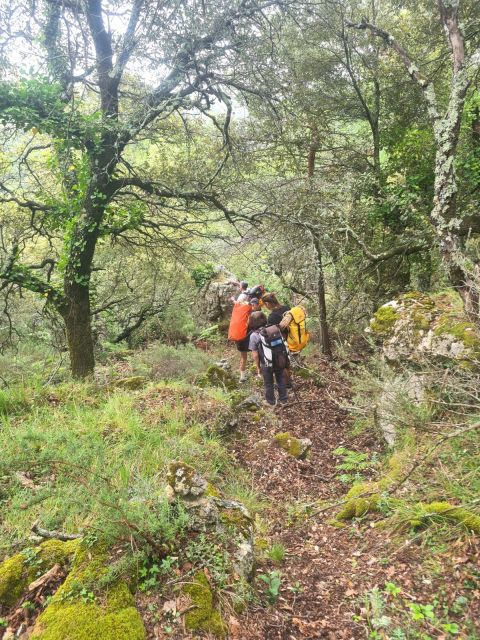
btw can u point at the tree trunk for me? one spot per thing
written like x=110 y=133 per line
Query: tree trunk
x=322 y=305
x=77 y=319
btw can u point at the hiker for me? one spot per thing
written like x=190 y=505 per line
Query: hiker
x=275 y=317
x=239 y=332
x=257 y=291
x=243 y=295
x=277 y=310
x=255 y=304
x=270 y=355
x=294 y=324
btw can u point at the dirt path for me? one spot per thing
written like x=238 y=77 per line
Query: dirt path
x=323 y=564
x=327 y=570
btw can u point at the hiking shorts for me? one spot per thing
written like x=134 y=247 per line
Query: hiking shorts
x=242 y=345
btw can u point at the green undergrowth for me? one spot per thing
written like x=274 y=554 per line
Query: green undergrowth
x=79 y=458
x=432 y=477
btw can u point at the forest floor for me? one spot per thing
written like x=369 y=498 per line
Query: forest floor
x=348 y=582
x=328 y=571
x=378 y=577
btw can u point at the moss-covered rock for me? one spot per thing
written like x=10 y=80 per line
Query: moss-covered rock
x=204 y=616
x=366 y=497
x=185 y=481
x=360 y=500
x=297 y=447
x=17 y=572
x=12 y=579
x=114 y=618
x=216 y=376
x=106 y=616
x=417 y=325
x=132 y=383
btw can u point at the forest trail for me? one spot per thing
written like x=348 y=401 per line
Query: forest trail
x=324 y=567
x=328 y=571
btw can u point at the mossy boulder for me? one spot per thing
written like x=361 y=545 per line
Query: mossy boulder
x=362 y=498
x=297 y=447
x=417 y=325
x=216 y=376
x=106 y=616
x=205 y=615
x=17 y=572
x=132 y=383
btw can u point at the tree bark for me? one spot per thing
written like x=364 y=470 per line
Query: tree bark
x=322 y=304
x=77 y=318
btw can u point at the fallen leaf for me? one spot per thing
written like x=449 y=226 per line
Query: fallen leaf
x=169 y=606
x=234 y=627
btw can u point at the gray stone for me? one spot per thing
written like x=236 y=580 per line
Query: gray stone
x=252 y=402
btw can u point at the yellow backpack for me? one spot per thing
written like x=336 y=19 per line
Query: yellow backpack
x=298 y=335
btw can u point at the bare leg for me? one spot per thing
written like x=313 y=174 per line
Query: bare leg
x=243 y=364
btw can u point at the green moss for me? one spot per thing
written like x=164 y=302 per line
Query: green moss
x=360 y=500
x=384 y=320
x=132 y=383
x=445 y=510
x=12 y=579
x=215 y=376
x=417 y=298
x=85 y=621
x=236 y=520
x=205 y=616
x=212 y=491
x=57 y=552
x=290 y=444
x=463 y=331
x=364 y=497
x=108 y=617
x=16 y=574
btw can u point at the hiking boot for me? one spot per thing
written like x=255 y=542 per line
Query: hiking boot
x=243 y=376
x=268 y=405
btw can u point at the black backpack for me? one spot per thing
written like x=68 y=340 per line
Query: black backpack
x=274 y=349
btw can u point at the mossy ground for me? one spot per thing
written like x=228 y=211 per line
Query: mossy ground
x=105 y=616
x=19 y=570
x=205 y=616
